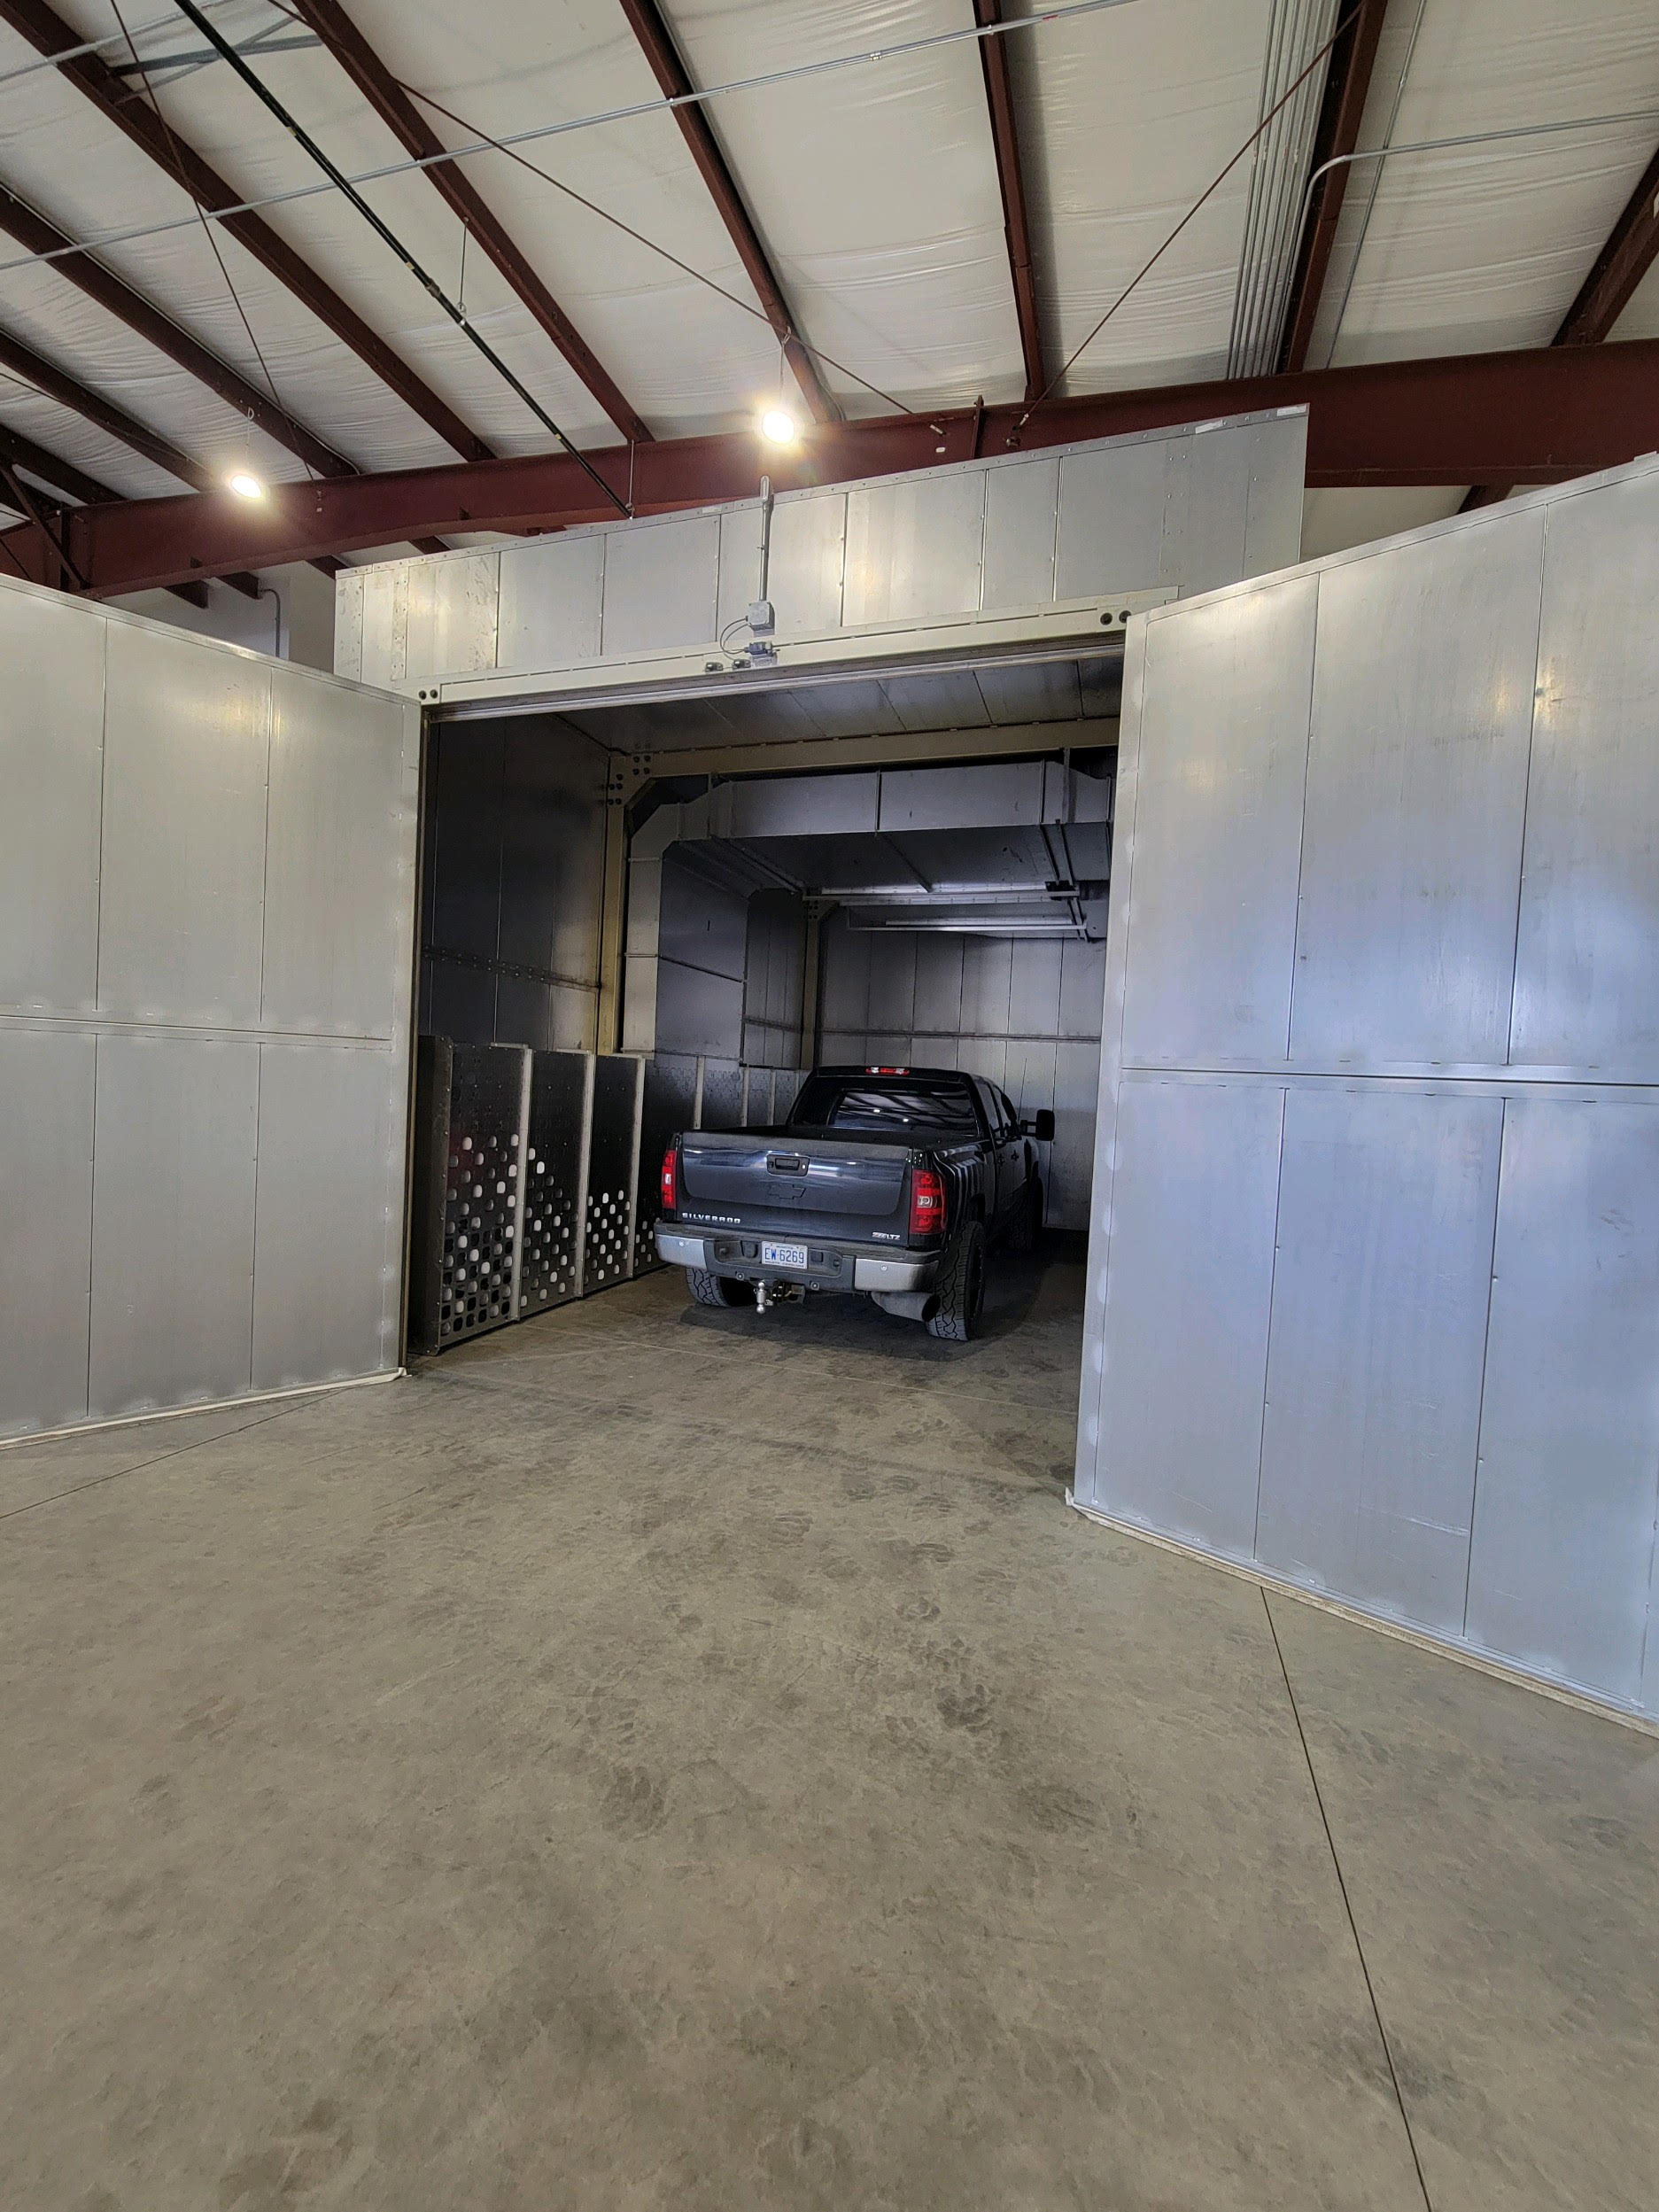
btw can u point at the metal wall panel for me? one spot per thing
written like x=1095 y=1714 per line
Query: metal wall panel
x=722 y=1096
x=338 y=855
x=246 y=868
x=1480 y=691
x=1023 y=507
x=46 y=1079
x=668 y=1103
x=809 y=551
x=186 y=760
x=1273 y=524
x=659 y=583
x=1417 y=793
x=1589 y=948
x=52 y=767
x=1112 y=519
x=1387 y=1208
x=1212 y=865
x=913 y=547
x=1005 y=536
x=172 y=1193
x=1187 y=1290
x=383 y=597
x=1562 y=1567
x=328 y=1214
x=348 y=625
x=466 y=599
x=551 y=593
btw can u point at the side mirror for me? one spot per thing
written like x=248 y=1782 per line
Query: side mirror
x=1042 y=1126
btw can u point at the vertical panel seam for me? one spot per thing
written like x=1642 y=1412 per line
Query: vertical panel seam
x=1526 y=788
x=1266 y=1349
x=1486 y=1357
x=1301 y=841
x=98 y=995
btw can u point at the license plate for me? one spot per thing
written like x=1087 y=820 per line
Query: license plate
x=783 y=1255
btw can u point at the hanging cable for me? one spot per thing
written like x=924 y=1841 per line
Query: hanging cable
x=1003 y=26
x=213 y=243
x=383 y=231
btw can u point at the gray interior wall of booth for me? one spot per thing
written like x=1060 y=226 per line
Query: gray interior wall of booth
x=512 y=882
x=207 y=872
x=1374 y=1278
x=1023 y=1012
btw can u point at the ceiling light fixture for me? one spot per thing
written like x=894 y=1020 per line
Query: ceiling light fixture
x=777 y=427
x=246 y=488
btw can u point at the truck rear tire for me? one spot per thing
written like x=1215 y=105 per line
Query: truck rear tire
x=1027 y=1217
x=718 y=1290
x=961 y=1285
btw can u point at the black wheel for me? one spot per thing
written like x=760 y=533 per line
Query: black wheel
x=718 y=1290
x=961 y=1287
x=1027 y=1217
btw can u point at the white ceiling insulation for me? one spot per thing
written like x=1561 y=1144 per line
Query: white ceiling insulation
x=873 y=187
x=1474 y=249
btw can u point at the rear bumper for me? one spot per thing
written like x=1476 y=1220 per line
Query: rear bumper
x=841 y=1266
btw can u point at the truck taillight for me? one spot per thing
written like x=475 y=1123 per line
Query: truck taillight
x=670 y=1179
x=928 y=1202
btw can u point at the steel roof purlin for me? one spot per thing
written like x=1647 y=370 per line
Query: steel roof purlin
x=144 y=125
x=1346 y=87
x=398 y=111
x=656 y=42
x=999 y=99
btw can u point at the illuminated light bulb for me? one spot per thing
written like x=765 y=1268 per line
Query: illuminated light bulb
x=247 y=487
x=776 y=426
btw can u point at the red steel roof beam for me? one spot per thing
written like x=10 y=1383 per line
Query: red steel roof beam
x=1540 y=417
x=33 y=231
x=1347 y=83
x=416 y=135
x=57 y=385
x=1631 y=249
x=658 y=44
x=117 y=101
x=999 y=96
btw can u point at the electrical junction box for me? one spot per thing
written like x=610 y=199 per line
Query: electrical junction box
x=761 y=618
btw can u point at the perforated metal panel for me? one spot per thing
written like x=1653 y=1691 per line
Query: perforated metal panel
x=488 y=1104
x=612 y=1163
x=549 y=1273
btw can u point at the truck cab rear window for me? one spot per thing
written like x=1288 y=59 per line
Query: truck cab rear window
x=873 y=1107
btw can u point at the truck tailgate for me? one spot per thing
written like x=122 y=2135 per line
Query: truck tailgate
x=766 y=1173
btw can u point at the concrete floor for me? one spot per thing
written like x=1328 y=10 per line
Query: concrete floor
x=664 y=1759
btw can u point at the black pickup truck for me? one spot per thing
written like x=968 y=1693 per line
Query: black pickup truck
x=889 y=1181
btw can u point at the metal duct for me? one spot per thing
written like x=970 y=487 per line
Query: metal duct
x=1295 y=31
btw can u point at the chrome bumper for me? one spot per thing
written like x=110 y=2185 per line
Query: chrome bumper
x=679 y=1252
x=869 y=1272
